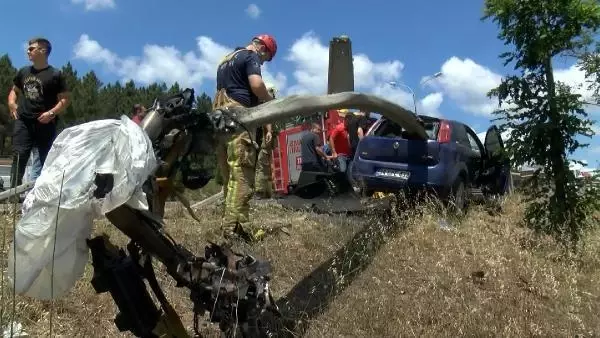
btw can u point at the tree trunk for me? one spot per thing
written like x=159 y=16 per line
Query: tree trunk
x=557 y=156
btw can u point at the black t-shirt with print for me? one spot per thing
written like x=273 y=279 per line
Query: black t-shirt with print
x=39 y=89
x=233 y=76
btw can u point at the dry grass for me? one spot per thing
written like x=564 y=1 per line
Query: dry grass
x=361 y=277
x=485 y=277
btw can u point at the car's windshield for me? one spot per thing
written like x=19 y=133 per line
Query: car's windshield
x=387 y=128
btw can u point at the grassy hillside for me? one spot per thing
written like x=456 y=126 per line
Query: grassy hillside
x=371 y=276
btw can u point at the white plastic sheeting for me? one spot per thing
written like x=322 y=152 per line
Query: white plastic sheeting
x=119 y=147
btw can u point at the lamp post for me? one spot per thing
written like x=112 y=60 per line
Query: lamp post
x=395 y=84
x=431 y=77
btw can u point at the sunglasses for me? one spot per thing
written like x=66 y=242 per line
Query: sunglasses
x=31 y=49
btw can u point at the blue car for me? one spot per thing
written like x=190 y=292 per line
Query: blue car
x=453 y=163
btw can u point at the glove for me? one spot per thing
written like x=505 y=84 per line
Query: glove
x=271 y=89
x=222 y=121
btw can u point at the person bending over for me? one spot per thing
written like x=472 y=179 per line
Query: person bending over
x=311 y=150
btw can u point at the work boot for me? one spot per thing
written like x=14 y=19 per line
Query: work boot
x=250 y=235
x=263 y=195
x=260 y=195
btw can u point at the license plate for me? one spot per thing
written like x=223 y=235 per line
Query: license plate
x=399 y=174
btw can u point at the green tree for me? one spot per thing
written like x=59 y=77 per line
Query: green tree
x=547 y=119
x=93 y=100
x=87 y=105
x=203 y=104
x=70 y=116
x=7 y=73
x=175 y=88
x=109 y=98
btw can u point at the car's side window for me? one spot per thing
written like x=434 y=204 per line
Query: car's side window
x=460 y=135
x=473 y=143
x=388 y=129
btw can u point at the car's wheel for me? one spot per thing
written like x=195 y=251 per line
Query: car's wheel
x=365 y=193
x=458 y=196
x=363 y=190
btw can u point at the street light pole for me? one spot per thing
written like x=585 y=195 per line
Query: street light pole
x=429 y=78
x=412 y=92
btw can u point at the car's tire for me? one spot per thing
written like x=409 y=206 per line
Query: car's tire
x=366 y=193
x=363 y=190
x=458 y=196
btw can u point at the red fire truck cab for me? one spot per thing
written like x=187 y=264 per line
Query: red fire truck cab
x=287 y=159
x=286 y=155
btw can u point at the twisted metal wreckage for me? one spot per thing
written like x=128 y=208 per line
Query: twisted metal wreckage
x=233 y=288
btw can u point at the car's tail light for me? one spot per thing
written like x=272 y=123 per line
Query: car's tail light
x=445 y=132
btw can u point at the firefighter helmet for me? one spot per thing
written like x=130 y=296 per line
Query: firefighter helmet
x=269 y=42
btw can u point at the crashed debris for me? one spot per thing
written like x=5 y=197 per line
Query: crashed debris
x=65 y=208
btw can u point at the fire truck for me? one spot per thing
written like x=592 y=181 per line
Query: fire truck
x=286 y=155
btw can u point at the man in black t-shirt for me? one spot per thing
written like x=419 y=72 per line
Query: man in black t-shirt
x=311 y=150
x=240 y=83
x=42 y=96
x=358 y=125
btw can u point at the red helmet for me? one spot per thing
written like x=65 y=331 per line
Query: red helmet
x=269 y=43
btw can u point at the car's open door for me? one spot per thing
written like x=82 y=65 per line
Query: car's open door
x=493 y=142
x=497 y=172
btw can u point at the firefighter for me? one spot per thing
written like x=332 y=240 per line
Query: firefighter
x=264 y=173
x=240 y=83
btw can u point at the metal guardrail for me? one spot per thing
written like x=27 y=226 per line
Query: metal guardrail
x=16 y=191
x=208 y=201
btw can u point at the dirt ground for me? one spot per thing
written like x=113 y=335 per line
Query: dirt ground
x=418 y=274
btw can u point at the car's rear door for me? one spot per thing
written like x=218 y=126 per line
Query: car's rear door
x=479 y=151
x=471 y=157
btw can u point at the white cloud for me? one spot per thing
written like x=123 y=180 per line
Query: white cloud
x=95 y=5
x=308 y=56
x=311 y=64
x=163 y=63
x=575 y=77
x=431 y=103
x=311 y=60
x=91 y=51
x=279 y=80
x=253 y=11
x=467 y=83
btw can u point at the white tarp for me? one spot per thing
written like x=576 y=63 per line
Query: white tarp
x=119 y=147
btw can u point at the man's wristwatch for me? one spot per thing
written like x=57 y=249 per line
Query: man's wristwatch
x=52 y=114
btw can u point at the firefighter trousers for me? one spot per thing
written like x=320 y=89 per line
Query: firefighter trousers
x=236 y=158
x=264 y=173
x=241 y=155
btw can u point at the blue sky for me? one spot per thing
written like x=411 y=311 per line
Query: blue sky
x=395 y=41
